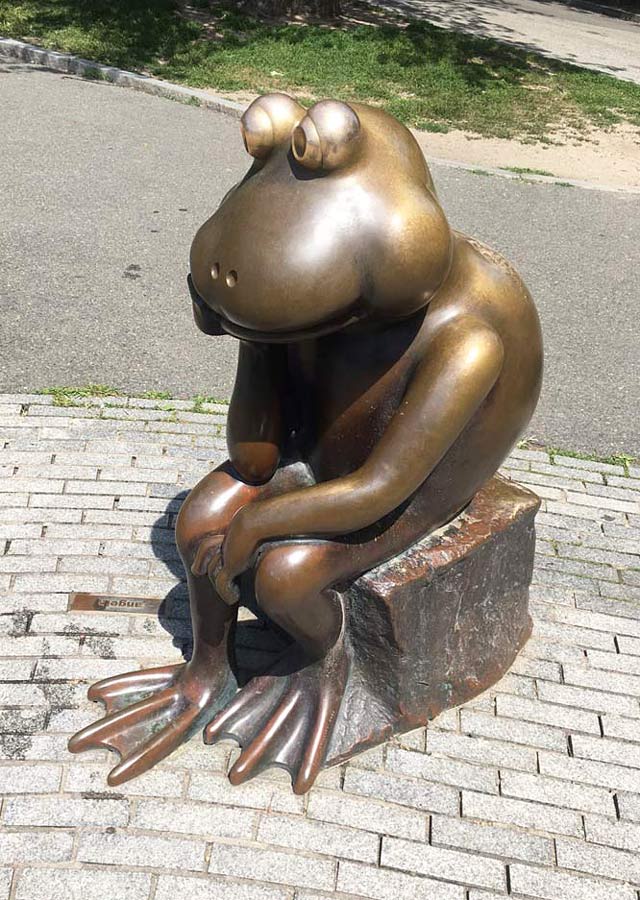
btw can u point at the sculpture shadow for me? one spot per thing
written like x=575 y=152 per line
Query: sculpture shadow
x=257 y=642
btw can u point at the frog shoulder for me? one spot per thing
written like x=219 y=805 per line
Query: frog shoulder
x=488 y=253
x=494 y=265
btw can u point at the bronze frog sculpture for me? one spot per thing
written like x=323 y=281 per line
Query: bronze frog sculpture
x=387 y=364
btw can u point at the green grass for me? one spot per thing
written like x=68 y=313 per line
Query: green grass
x=200 y=400
x=156 y=395
x=69 y=395
x=73 y=396
x=426 y=76
x=615 y=459
x=523 y=170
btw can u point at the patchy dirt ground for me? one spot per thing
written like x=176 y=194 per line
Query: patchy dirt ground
x=605 y=158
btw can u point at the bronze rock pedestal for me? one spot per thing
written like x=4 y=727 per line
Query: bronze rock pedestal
x=440 y=623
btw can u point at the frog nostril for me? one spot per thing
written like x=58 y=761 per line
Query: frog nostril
x=232 y=277
x=215 y=270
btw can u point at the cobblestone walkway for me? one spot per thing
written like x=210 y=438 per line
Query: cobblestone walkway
x=532 y=790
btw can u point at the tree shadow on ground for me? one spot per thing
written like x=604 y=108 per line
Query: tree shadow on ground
x=466 y=19
x=143 y=33
x=125 y=33
x=257 y=641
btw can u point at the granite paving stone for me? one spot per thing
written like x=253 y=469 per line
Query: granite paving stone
x=531 y=790
x=83 y=884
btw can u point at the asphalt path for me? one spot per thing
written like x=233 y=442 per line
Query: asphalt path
x=102 y=189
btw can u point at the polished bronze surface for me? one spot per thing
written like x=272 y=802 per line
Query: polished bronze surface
x=387 y=365
x=88 y=602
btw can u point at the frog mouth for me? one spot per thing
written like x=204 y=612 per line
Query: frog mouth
x=352 y=315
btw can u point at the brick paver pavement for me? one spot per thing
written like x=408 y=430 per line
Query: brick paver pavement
x=532 y=790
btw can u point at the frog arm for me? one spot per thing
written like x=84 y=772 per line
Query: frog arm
x=460 y=366
x=256 y=423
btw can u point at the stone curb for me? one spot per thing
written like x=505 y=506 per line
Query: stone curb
x=84 y=68
x=74 y=65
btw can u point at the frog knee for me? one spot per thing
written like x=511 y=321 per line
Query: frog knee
x=207 y=510
x=286 y=577
x=189 y=527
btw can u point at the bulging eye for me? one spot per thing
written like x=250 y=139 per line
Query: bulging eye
x=327 y=137
x=268 y=122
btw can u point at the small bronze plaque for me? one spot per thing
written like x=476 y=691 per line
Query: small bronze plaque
x=112 y=603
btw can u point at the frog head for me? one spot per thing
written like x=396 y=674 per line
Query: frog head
x=336 y=221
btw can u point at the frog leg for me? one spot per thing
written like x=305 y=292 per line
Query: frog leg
x=286 y=717
x=151 y=712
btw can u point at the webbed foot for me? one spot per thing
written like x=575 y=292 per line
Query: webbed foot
x=285 y=718
x=151 y=712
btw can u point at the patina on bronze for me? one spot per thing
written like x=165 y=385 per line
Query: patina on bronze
x=387 y=365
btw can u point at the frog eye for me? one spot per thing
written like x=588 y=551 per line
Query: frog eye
x=268 y=122
x=327 y=137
